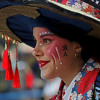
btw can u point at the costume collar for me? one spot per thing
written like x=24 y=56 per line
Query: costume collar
x=83 y=86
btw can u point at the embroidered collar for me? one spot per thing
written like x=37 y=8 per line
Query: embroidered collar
x=84 y=83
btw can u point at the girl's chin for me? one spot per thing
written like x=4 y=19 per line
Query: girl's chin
x=46 y=76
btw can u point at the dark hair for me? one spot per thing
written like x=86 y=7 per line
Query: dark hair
x=90 y=46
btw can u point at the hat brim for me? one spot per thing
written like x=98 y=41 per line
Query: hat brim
x=31 y=10
x=71 y=13
x=11 y=11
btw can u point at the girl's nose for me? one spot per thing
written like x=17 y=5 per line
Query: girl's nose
x=37 y=52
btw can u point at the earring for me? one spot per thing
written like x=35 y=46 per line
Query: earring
x=75 y=55
x=77 y=52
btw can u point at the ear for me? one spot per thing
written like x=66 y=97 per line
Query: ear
x=77 y=47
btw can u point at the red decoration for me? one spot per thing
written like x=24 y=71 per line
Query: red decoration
x=9 y=72
x=5 y=62
x=97 y=12
x=16 y=79
x=89 y=9
x=84 y=84
x=29 y=79
x=64 y=2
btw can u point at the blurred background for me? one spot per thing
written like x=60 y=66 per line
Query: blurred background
x=32 y=86
x=31 y=83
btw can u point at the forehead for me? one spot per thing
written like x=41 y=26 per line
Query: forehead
x=40 y=31
x=37 y=33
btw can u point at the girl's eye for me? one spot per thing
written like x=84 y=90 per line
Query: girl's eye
x=46 y=40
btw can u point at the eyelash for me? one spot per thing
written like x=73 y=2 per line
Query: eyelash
x=46 y=40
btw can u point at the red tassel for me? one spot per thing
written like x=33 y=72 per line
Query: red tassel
x=5 y=59
x=5 y=56
x=9 y=72
x=16 y=79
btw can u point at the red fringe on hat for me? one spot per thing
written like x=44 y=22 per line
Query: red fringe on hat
x=5 y=62
x=16 y=79
x=9 y=72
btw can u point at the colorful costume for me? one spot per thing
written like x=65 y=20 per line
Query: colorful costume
x=85 y=86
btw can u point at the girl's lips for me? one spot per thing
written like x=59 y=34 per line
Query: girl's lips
x=42 y=63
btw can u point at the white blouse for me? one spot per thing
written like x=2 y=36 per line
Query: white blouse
x=68 y=89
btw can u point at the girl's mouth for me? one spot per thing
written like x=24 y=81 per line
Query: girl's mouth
x=42 y=63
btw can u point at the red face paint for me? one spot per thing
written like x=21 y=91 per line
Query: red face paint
x=56 y=48
x=52 y=43
x=43 y=32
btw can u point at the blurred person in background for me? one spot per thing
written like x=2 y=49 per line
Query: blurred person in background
x=29 y=78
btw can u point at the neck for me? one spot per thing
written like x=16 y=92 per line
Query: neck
x=68 y=74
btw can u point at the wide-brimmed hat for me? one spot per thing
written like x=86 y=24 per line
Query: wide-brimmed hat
x=60 y=16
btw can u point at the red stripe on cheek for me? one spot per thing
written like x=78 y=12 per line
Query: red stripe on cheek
x=52 y=50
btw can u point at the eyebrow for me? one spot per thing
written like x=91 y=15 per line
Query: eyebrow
x=46 y=35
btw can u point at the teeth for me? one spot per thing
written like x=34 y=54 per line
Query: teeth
x=41 y=63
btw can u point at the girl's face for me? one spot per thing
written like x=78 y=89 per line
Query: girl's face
x=54 y=54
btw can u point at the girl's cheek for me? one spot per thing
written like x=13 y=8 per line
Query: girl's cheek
x=50 y=51
x=55 y=51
